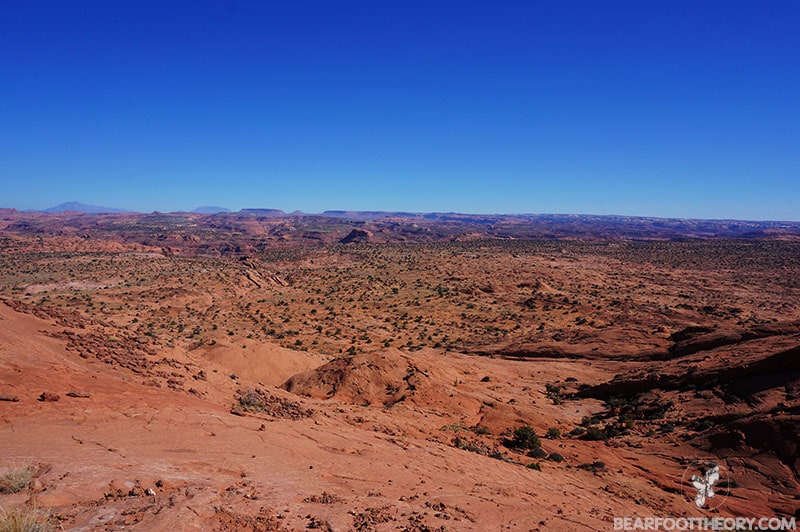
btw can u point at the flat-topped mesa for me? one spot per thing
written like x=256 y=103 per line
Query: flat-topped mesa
x=357 y=235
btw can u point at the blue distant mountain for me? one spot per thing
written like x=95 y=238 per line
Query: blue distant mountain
x=210 y=209
x=262 y=212
x=82 y=207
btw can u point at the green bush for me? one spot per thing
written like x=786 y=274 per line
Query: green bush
x=595 y=434
x=577 y=431
x=524 y=438
x=537 y=453
x=594 y=467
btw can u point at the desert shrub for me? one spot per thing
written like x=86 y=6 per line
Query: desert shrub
x=325 y=498
x=16 y=478
x=702 y=424
x=251 y=401
x=552 y=388
x=257 y=401
x=15 y=519
x=553 y=433
x=587 y=420
x=555 y=457
x=554 y=393
x=613 y=430
x=497 y=455
x=524 y=438
x=473 y=446
x=537 y=453
x=615 y=404
x=480 y=429
x=577 y=431
x=627 y=421
x=594 y=467
x=595 y=434
x=535 y=465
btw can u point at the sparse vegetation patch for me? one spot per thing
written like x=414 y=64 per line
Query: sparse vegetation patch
x=16 y=478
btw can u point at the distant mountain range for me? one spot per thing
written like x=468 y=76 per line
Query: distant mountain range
x=82 y=207
x=76 y=206
x=210 y=209
x=559 y=222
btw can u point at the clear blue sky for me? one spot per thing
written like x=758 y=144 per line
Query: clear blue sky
x=663 y=108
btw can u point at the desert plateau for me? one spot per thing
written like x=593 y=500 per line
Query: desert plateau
x=392 y=371
x=376 y=266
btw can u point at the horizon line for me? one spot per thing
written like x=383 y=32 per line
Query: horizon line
x=297 y=212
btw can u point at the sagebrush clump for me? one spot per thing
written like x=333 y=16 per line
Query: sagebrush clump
x=16 y=519
x=16 y=478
